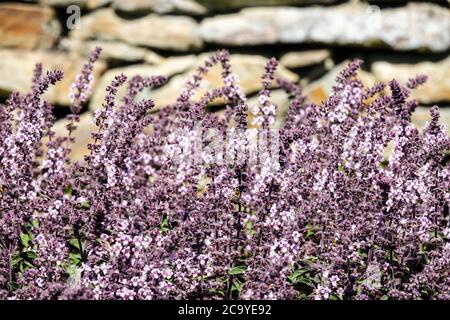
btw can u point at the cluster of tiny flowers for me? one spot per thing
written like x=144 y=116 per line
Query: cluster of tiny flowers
x=81 y=89
x=328 y=218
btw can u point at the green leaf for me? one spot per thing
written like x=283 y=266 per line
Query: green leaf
x=71 y=269
x=68 y=190
x=237 y=285
x=25 y=265
x=31 y=255
x=310 y=230
x=221 y=292
x=85 y=205
x=249 y=228
x=362 y=254
x=12 y=285
x=25 y=239
x=237 y=270
x=35 y=223
x=296 y=274
x=74 y=258
x=165 y=224
x=388 y=256
x=75 y=243
x=307 y=282
x=302 y=276
x=16 y=259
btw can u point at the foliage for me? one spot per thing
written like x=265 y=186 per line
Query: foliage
x=329 y=220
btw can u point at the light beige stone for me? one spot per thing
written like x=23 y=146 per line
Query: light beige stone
x=113 y=51
x=436 y=89
x=90 y=4
x=280 y=99
x=161 y=6
x=163 y=32
x=416 y=26
x=319 y=90
x=18 y=65
x=249 y=69
x=419 y=119
x=167 y=67
x=82 y=135
x=236 y=4
x=299 y=59
x=28 y=26
x=422 y=115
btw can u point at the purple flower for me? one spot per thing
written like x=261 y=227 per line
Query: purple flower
x=141 y=218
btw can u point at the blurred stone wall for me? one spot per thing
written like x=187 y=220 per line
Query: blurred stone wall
x=312 y=39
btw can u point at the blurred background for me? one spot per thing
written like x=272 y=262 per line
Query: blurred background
x=312 y=39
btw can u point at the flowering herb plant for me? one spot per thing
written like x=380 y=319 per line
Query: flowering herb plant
x=326 y=218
